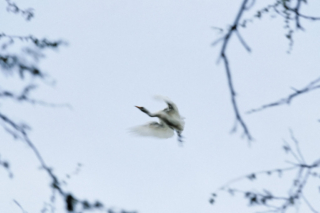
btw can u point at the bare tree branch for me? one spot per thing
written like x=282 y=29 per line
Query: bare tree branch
x=296 y=142
x=12 y=63
x=18 y=204
x=266 y=198
x=310 y=87
x=224 y=57
x=297 y=17
x=289 y=14
x=5 y=164
x=249 y=6
x=254 y=175
x=28 y=14
x=72 y=203
x=308 y=204
x=246 y=46
x=309 y=17
x=24 y=97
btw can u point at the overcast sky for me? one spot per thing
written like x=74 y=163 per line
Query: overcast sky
x=123 y=52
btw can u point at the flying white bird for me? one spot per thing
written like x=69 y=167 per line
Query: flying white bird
x=169 y=121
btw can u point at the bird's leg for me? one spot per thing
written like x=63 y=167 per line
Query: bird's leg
x=180 y=137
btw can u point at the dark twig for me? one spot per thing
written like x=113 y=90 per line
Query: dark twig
x=269 y=200
x=5 y=164
x=48 y=207
x=27 y=13
x=246 y=46
x=254 y=175
x=41 y=43
x=296 y=10
x=308 y=204
x=20 y=132
x=24 y=97
x=289 y=15
x=249 y=6
x=218 y=41
x=224 y=57
x=309 y=17
x=310 y=87
x=10 y=63
x=288 y=148
x=18 y=204
x=297 y=146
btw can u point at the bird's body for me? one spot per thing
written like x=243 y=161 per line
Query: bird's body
x=169 y=121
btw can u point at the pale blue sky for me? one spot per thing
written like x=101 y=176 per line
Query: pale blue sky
x=120 y=54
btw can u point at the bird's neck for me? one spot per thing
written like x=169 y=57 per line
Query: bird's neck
x=148 y=113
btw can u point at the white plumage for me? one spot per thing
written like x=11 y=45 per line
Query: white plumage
x=154 y=129
x=169 y=121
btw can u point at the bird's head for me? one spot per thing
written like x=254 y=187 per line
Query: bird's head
x=142 y=109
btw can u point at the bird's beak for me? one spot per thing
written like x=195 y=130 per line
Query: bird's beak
x=138 y=107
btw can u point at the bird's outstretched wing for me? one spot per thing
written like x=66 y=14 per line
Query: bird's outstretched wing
x=172 y=111
x=153 y=129
x=171 y=105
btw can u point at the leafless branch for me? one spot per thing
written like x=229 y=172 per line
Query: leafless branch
x=310 y=87
x=297 y=17
x=71 y=201
x=308 y=204
x=24 y=97
x=289 y=14
x=254 y=175
x=18 y=204
x=218 y=41
x=266 y=198
x=28 y=14
x=223 y=55
x=5 y=164
x=246 y=46
x=296 y=142
x=41 y=43
x=309 y=17
x=288 y=149
x=248 y=6
x=11 y=63
x=296 y=11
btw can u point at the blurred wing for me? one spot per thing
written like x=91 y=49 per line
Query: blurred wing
x=182 y=121
x=170 y=104
x=172 y=111
x=153 y=129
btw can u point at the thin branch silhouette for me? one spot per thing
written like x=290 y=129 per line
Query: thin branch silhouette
x=223 y=55
x=290 y=15
x=12 y=63
x=28 y=14
x=314 y=85
x=19 y=205
x=265 y=198
x=19 y=131
x=24 y=97
x=5 y=164
x=308 y=204
x=245 y=45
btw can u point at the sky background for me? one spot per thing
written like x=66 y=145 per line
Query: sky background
x=119 y=54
